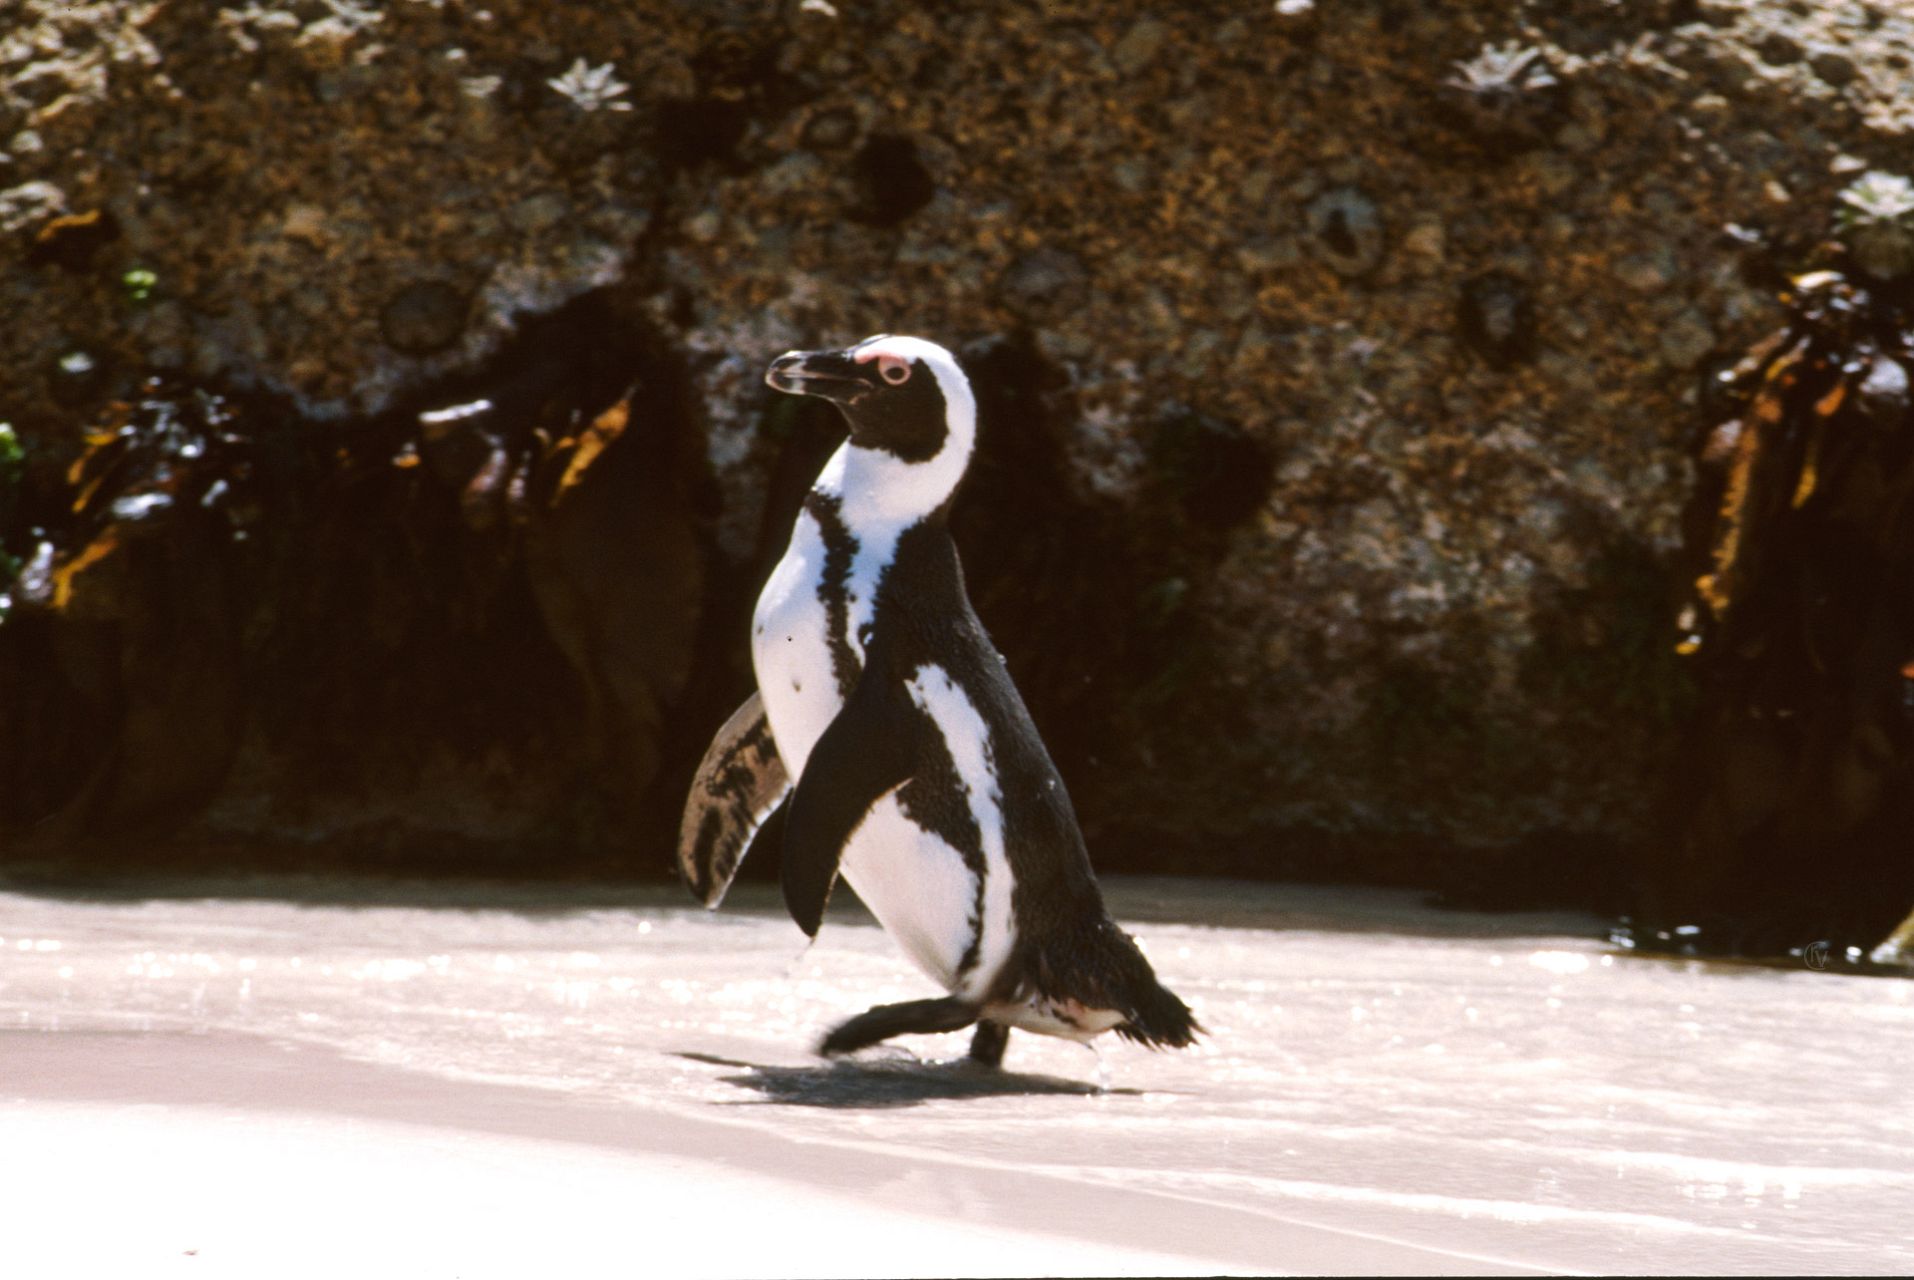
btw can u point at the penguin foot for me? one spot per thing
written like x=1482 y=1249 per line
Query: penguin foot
x=987 y=1046
x=912 y=1017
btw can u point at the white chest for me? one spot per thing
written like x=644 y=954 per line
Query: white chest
x=822 y=597
x=791 y=649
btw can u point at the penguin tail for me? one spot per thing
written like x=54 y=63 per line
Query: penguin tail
x=1104 y=969
x=1159 y=1020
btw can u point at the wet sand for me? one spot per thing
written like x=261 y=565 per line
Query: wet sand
x=206 y=1154
x=361 y=1079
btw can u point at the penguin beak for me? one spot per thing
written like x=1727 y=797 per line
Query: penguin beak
x=830 y=374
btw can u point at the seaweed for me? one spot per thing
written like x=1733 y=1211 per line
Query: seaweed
x=1787 y=818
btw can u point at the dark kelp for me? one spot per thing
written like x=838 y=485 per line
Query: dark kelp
x=396 y=642
x=1792 y=811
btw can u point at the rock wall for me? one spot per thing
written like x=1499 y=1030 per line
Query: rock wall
x=1343 y=360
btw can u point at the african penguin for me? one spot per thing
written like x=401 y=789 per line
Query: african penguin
x=887 y=743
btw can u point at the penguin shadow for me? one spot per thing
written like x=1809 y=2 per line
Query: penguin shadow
x=891 y=1082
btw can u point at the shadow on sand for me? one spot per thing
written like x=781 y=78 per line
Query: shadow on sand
x=890 y=1083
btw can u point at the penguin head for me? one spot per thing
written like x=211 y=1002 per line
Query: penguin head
x=902 y=396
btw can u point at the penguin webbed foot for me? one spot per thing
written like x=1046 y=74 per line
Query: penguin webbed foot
x=911 y=1017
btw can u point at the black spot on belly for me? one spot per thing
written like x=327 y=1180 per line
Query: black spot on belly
x=834 y=586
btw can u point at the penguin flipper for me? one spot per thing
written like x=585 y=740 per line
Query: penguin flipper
x=863 y=754
x=740 y=784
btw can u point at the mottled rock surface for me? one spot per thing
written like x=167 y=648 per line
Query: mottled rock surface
x=1350 y=351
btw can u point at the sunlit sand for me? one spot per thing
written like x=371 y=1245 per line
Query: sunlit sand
x=492 y=1083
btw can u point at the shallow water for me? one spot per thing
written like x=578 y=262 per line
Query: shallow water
x=1509 y=1088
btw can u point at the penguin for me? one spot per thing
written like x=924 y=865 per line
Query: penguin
x=887 y=744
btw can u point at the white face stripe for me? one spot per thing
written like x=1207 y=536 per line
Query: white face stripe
x=880 y=489
x=967 y=738
x=902 y=346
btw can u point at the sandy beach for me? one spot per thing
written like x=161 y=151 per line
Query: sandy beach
x=498 y=1084
x=165 y=1153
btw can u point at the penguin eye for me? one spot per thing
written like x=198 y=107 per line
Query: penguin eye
x=894 y=370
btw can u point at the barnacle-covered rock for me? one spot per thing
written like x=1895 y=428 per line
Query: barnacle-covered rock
x=1507 y=95
x=1876 y=222
x=1346 y=231
x=1360 y=456
x=1496 y=317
